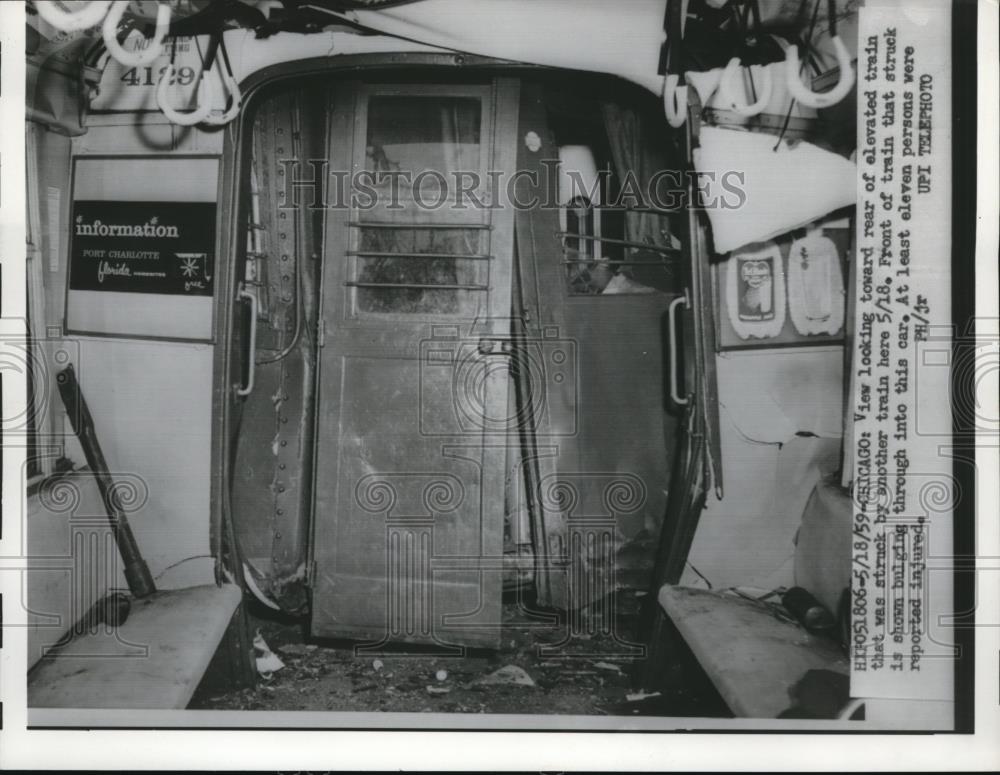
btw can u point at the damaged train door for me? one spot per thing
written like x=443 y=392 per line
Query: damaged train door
x=599 y=275
x=413 y=373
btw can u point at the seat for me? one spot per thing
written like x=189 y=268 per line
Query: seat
x=753 y=657
x=155 y=659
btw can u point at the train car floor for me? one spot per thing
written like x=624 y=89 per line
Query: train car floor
x=548 y=663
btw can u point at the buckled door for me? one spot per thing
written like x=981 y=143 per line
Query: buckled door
x=413 y=385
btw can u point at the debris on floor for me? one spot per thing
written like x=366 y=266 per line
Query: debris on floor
x=508 y=674
x=268 y=662
x=540 y=668
x=298 y=649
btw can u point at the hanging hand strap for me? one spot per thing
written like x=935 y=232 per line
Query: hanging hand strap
x=235 y=96
x=138 y=57
x=206 y=94
x=674 y=94
x=83 y=18
x=821 y=99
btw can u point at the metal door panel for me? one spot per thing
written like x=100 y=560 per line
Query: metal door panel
x=409 y=480
x=409 y=504
x=599 y=410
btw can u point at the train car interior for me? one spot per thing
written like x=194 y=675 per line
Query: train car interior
x=381 y=361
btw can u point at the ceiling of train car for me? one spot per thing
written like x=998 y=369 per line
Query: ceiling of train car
x=269 y=17
x=593 y=35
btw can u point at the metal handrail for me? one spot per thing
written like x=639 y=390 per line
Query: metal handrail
x=354 y=284
x=625 y=243
x=376 y=225
x=404 y=254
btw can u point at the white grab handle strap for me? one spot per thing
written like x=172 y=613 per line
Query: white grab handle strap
x=732 y=95
x=235 y=97
x=206 y=94
x=819 y=99
x=674 y=101
x=134 y=58
x=88 y=16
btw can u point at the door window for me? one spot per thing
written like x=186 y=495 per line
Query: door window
x=420 y=242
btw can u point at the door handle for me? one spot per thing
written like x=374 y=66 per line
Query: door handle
x=672 y=323
x=252 y=354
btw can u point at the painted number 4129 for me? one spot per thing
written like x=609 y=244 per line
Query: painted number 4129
x=143 y=76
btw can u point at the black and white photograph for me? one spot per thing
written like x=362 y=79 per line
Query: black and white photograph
x=511 y=373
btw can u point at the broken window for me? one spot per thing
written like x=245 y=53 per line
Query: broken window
x=615 y=210
x=420 y=243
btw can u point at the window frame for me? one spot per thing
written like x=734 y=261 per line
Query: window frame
x=485 y=94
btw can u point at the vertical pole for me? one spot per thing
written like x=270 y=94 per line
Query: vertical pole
x=140 y=581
